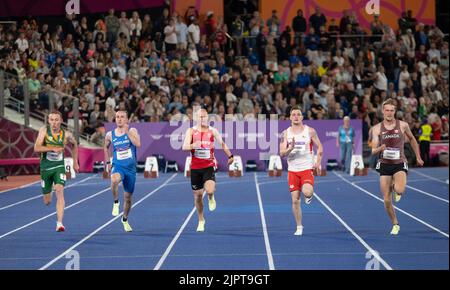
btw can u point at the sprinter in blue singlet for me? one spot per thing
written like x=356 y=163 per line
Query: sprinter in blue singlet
x=123 y=168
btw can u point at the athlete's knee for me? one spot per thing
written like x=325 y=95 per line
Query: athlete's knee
x=296 y=202
x=127 y=197
x=308 y=191
x=210 y=187
x=387 y=200
x=198 y=195
x=59 y=190
x=399 y=188
x=210 y=190
x=115 y=179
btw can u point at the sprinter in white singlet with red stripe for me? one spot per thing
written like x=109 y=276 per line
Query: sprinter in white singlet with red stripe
x=200 y=142
x=297 y=145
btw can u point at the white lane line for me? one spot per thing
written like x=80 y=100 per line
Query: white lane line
x=19 y=187
x=52 y=214
x=361 y=240
x=399 y=209
x=427 y=193
x=40 y=195
x=105 y=224
x=264 y=226
x=174 y=240
x=429 y=177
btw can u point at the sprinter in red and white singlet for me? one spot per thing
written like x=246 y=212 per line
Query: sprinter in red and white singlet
x=297 y=145
x=200 y=141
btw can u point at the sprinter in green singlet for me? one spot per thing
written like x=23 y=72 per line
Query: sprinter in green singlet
x=50 y=143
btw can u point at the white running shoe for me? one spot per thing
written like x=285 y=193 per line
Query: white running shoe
x=299 y=231
x=201 y=226
x=308 y=199
x=211 y=203
x=115 y=210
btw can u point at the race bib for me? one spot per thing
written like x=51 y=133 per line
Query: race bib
x=202 y=153
x=125 y=154
x=53 y=156
x=300 y=147
x=391 y=153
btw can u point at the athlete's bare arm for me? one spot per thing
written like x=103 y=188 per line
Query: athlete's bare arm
x=71 y=139
x=407 y=131
x=315 y=140
x=187 y=146
x=39 y=144
x=106 y=151
x=375 y=140
x=284 y=149
x=134 y=136
x=218 y=137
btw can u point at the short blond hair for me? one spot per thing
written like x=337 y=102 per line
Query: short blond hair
x=391 y=102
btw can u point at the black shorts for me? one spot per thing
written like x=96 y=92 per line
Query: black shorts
x=391 y=169
x=200 y=176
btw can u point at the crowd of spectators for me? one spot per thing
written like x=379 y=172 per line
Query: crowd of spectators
x=159 y=69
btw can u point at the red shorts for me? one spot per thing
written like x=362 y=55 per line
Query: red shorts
x=297 y=179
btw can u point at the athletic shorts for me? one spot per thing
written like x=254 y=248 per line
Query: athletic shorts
x=391 y=169
x=127 y=177
x=52 y=176
x=296 y=180
x=200 y=176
